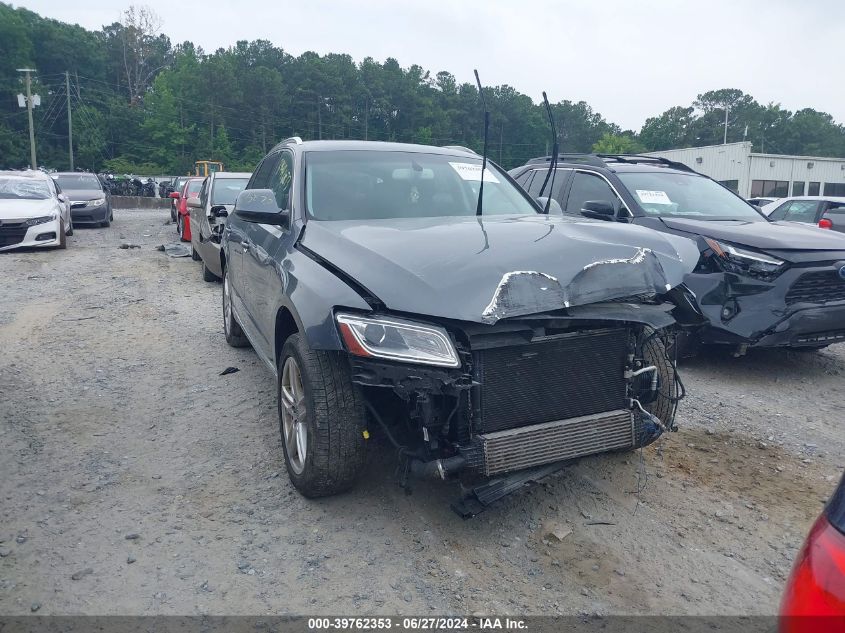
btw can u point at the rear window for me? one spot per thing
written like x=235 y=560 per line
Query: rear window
x=360 y=185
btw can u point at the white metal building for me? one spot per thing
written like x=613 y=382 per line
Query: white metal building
x=754 y=175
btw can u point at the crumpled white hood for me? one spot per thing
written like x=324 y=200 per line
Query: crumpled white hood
x=17 y=209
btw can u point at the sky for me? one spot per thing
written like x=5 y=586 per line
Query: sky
x=628 y=59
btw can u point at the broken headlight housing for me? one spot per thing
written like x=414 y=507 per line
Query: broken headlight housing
x=742 y=261
x=397 y=339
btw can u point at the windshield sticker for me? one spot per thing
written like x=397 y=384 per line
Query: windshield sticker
x=653 y=197
x=472 y=172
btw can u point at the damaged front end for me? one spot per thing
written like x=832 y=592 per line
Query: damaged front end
x=528 y=393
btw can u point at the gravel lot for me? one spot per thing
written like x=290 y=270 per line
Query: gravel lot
x=136 y=480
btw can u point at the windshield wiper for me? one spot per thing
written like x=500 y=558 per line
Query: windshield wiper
x=484 y=153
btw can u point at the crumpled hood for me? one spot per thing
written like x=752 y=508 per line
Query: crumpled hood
x=487 y=269
x=763 y=235
x=84 y=194
x=25 y=209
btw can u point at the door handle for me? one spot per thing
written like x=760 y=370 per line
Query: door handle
x=245 y=243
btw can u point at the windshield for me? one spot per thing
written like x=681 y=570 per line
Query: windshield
x=77 y=181
x=23 y=189
x=365 y=185
x=227 y=189
x=671 y=195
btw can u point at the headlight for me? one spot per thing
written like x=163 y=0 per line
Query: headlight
x=97 y=202
x=43 y=219
x=742 y=261
x=397 y=339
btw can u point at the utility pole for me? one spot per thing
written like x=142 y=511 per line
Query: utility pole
x=727 y=109
x=69 y=121
x=33 y=163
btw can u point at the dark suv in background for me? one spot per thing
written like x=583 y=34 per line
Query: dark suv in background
x=758 y=282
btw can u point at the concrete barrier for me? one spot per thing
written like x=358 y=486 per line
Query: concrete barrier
x=135 y=202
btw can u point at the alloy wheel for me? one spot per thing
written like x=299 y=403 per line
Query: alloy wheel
x=293 y=410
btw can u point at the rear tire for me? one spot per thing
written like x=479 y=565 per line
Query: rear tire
x=325 y=410
x=235 y=336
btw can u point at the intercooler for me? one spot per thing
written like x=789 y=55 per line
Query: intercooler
x=557 y=398
x=515 y=449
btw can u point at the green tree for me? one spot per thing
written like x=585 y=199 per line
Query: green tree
x=617 y=144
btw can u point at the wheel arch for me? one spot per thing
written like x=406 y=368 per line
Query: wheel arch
x=287 y=323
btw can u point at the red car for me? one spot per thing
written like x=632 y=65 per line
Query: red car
x=814 y=599
x=190 y=189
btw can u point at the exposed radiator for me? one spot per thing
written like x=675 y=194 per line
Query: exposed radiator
x=554 y=379
x=523 y=447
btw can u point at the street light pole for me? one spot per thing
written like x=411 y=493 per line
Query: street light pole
x=33 y=163
x=725 y=141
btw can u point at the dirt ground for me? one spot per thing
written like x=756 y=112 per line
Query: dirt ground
x=134 y=479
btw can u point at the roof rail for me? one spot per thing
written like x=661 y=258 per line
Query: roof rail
x=589 y=159
x=460 y=148
x=296 y=140
x=643 y=158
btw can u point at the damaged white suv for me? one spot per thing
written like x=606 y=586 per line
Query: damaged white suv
x=480 y=337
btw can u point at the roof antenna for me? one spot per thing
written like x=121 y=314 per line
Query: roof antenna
x=553 y=162
x=484 y=155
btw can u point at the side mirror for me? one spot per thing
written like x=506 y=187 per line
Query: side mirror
x=62 y=197
x=554 y=205
x=174 y=194
x=599 y=210
x=194 y=202
x=219 y=211
x=259 y=205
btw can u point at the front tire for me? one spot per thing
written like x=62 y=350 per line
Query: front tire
x=207 y=275
x=235 y=336
x=321 y=419
x=194 y=255
x=62 y=238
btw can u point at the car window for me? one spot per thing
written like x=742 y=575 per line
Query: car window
x=204 y=191
x=524 y=180
x=363 y=185
x=679 y=195
x=588 y=187
x=261 y=178
x=280 y=180
x=193 y=188
x=226 y=190
x=555 y=188
x=796 y=211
